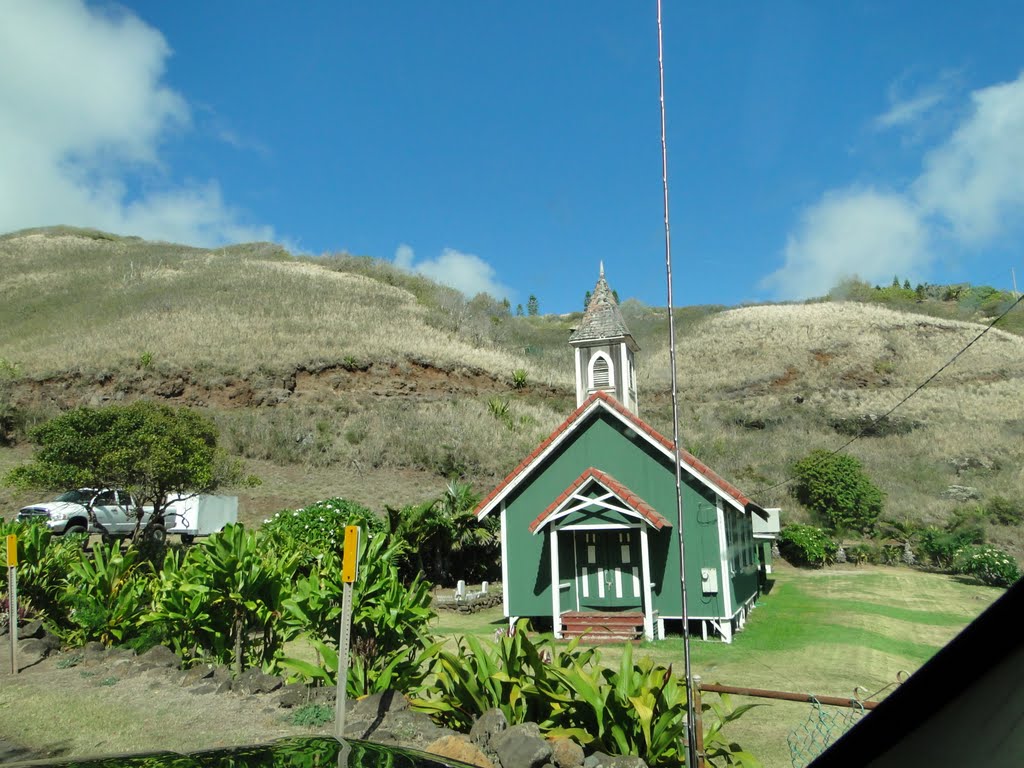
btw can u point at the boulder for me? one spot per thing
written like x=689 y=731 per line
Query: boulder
x=459 y=748
x=195 y=674
x=961 y=493
x=487 y=727
x=520 y=746
x=254 y=680
x=159 y=657
x=566 y=753
x=601 y=760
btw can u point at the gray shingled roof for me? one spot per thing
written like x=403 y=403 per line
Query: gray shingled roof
x=602 y=319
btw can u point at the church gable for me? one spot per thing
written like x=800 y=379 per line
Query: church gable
x=578 y=425
x=596 y=497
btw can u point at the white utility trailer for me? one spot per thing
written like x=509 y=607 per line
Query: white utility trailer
x=200 y=515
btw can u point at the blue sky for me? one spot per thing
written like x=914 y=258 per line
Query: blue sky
x=510 y=147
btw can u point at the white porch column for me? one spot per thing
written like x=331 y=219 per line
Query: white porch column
x=556 y=586
x=645 y=567
x=506 y=587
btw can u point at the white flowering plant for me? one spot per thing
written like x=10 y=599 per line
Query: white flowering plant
x=319 y=529
x=986 y=563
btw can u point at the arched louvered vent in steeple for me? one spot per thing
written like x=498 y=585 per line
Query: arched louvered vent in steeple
x=600 y=374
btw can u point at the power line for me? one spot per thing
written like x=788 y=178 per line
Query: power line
x=917 y=389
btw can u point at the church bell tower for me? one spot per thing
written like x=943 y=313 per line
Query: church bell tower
x=604 y=350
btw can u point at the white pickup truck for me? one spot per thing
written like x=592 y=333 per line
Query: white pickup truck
x=188 y=516
x=68 y=513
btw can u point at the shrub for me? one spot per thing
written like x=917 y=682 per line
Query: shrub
x=835 y=487
x=312 y=715
x=988 y=564
x=807 y=545
x=1003 y=511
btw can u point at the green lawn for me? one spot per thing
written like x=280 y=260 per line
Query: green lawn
x=821 y=632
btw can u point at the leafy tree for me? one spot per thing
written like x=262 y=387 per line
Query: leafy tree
x=155 y=452
x=836 y=488
x=532 y=306
x=895 y=281
x=906 y=285
x=615 y=295
x=519 y=310
x=586 y=300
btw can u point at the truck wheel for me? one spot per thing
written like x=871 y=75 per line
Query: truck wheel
x=157 y=534
x=187 y=538
x=74 y=529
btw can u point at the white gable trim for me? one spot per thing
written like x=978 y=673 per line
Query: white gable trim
x=578 y=424
x=577 y=501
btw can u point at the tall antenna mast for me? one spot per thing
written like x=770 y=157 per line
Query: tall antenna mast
x=691 y=738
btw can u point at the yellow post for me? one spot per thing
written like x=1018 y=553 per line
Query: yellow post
x=12 y=598
x=349 y=567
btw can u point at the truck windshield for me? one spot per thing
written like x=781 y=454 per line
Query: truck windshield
x=76 y=497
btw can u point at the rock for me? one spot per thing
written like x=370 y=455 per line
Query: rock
x=195 y=674
x=159 y=656
x=965 y=463
x=520 y=746
x=601 y=760
x=487 y=727
x=961 y=493
x=459 y=748
x=299 y=694
x=566 y=753
x=205 y=688
x=31 y=652
x=255 y=680
x=29 y=629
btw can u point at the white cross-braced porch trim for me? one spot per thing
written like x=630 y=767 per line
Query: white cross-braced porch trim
x=577 y=502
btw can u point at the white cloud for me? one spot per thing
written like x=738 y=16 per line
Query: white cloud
x=969 y=193
x=463 y=271
x=908 y=111
x=83 y=113
x=975 y=181
x=863 y=233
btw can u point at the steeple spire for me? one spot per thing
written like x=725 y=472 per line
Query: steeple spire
x=604 y=349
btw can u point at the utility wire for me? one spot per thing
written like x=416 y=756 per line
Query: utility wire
x=917 y=389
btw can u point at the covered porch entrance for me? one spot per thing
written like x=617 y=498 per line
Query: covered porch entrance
x=600 y=558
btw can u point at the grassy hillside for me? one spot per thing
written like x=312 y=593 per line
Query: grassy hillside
x=344 y=376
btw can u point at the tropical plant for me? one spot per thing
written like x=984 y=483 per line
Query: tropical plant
x=834 y=486
x=444 y=539
x=514 y=675
x=638 y=709
x=520 y=378
x=389 y=640
x=43 y=563
x=106 y=596
x=224 y=600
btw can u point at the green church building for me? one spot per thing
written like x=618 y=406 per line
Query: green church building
x=588 y=519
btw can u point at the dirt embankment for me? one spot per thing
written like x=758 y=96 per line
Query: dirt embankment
x=411 y=379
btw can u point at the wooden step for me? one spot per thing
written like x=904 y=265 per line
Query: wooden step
x=599 y=626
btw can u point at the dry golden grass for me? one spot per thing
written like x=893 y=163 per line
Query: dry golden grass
x=106 y=304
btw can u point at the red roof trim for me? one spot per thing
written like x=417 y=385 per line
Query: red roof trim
x=601 y=397
x=625 y=495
